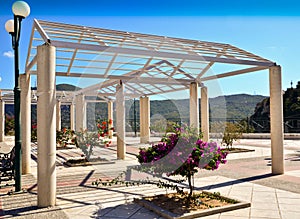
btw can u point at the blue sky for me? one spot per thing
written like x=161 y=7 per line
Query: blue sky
x=267 y=28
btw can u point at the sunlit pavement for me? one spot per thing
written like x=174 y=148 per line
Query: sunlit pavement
x=246 y=176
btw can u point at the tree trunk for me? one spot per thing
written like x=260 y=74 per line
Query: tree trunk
x=189 y=177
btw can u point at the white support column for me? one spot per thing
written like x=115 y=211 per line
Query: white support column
x=72 y=116
x=120 y=121
x=58 y=115
x=194 y=106
x=2 y=120
x=110 y=118
x=80 y=111
x=46 y=125
x=276 y=117
x=144 y=119
x=204 y=114
x=26 y=123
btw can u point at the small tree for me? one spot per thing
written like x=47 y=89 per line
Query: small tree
x=232 y=133
x=86 y=140
x=181 y=153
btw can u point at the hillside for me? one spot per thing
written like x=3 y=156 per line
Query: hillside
x=291 y=112
x=238 y=106
x=235 y=107
x=63 y=87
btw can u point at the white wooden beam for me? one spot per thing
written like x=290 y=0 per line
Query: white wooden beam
x=158 y=54
x=232 y=73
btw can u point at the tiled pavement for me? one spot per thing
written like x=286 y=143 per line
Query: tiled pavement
x=245 y=177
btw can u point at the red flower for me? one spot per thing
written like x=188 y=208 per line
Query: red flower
x=110 y=121
x=104 y=123
x=98 y=125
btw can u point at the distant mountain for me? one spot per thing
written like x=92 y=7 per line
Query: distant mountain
x=63 y=87
x=234 y=107
x=67 y=87
x=239 y=106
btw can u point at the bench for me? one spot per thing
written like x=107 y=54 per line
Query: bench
x=7 y=165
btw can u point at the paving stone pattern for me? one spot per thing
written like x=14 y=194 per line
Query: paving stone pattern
x=246 y=177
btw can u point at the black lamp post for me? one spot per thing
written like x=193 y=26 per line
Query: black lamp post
x=13 y=27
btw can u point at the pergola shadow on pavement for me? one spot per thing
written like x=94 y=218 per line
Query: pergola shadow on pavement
x=116 y=65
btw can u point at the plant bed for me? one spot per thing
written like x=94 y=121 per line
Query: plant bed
x=69 y=146
x=237 y=150
x=175 y=206
x=74 y=162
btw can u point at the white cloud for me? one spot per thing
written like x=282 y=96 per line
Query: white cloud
x=8 y=54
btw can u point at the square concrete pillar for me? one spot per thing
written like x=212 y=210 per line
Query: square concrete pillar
x=2 y=120
x=80 y=113
x=72 y=116
x=46 y=125
x=120 y=121
x=144 y=119
x=110 y=118
x=276 y=120
x=26 y=122
x=204 y=114
x=194 y=106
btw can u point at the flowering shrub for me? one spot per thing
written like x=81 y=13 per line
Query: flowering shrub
x=181 y=153
x=64 y=137
x=33 y=132
x=103 y=131
x=86 y=140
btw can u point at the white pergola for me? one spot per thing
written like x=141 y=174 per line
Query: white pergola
x=122 y=65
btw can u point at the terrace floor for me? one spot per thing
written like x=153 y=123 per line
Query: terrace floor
x=247 y=176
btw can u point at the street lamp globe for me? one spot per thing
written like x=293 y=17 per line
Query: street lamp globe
x=21 y=8
x=9 y=26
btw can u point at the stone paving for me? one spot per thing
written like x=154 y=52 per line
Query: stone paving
x=246 y=177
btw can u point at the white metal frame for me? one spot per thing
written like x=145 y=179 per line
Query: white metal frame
x=147 y=64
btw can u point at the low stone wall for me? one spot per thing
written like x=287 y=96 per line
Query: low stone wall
x=220 y=135
x=258 y=135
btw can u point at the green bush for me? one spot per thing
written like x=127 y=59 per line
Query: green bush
x=9 y=125
x=233 y=132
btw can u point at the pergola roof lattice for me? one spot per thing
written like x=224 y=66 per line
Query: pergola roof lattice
x=148 y=64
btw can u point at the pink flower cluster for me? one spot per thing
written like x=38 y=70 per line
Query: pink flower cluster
x=182 y=153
